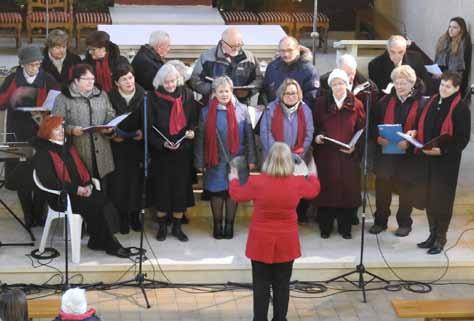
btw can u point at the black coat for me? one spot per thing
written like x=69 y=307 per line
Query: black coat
x=146 y=64
x=115 y=59
x=70 y=60
x=440 y=173
x=19 y=174
x=399 y=165
x=381 y=67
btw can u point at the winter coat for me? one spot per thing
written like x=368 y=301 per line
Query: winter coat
x=243 y=69
x=146 y=64
x=64 y=76
x=339 y=173
x=301 y=70
x=95 y=109
x=88 y=316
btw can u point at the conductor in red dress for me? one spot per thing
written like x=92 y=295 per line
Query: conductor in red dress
x=273 y=242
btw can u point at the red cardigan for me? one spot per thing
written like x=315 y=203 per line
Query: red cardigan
x=273 y=232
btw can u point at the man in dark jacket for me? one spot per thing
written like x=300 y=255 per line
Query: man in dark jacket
x=150 y=58
x=58 y=60
x=294 y=62
x=396 y=54
x=228 y=58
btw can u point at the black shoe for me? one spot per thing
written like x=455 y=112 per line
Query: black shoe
x=428 y=243
x=325 y=235
x=229 y=231
x=217 y=232
x=177 y=232
x=376 y=229
x=119 y=252
x=403 y=231
x=347 y=236
x=436 y=248
x=162 y=230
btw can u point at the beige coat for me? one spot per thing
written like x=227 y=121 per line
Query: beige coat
x=79 y=110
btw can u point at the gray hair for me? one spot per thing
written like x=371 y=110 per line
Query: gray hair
x=221 y=81
x=404 y=71
x=279 y=161
x=346 y=59
x=165 y=71
x=396 y=39
x=157 y=37
x=184 y=70
x=57 y=37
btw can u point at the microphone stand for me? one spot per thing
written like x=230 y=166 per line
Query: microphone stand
x=360 y=269
x=140 y=279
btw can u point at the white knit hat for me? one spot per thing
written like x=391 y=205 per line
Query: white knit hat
x=74 y=301
x=338 y=73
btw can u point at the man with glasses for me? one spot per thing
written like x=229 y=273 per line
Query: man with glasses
x=228 y=58
x=294 y=62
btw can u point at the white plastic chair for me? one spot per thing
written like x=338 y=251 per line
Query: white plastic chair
x=74 y=222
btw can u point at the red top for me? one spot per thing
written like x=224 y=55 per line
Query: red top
x=273 y=232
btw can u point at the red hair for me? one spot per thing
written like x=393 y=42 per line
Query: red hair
x=48 y=124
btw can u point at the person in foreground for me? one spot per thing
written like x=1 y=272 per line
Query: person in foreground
x=59 y=166
x=13 y=306
x=273 y=242
x=444 y=114
x=74 y=307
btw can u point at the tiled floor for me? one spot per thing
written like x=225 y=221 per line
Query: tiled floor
x=181 y=305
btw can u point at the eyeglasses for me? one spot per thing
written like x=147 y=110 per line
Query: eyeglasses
x=87 y=78
x=291 y=93
x=233 y=47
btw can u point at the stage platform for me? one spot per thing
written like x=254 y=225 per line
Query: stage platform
x=204 y=259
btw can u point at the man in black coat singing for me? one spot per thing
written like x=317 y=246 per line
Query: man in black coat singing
x=396 y=54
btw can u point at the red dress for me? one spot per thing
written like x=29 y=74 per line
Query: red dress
x=273 y=232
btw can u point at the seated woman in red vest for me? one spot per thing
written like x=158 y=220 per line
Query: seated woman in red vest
x=27 y=86
x=444 y=114
x=59 y=167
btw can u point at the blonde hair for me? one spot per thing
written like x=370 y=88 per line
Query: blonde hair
x=404 y=71
x=285 y=84
x=279 y=161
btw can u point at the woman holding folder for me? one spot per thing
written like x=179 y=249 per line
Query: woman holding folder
x=444 y=114
x=395 y=169
x=338 y=116
x=224 y=132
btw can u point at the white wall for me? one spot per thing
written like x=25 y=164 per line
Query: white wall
x=426 y=20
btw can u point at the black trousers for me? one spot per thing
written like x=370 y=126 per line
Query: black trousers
x=342 y=215
x=277 y=276
x=33 y=207
x=92 y=210
x=384 y=187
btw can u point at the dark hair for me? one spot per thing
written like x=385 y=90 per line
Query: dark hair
x=462 y=23
x=13 y=306
x=98 y=39
x=80 y=69
x=122 y=70
x=455 y=77
x=456 y=43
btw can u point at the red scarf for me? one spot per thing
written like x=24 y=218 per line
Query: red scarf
x=177 y=117
x=78 y=317
x=40 y=96
x=63 y=173
x=211 y=154
x=446 y=127
x=389 y=117
x=103 y=74
x=278 y=131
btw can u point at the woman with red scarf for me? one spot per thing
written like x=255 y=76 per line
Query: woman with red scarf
x=288 y=119
x=59 y=167
x=446 y=115
x=338 y=116
x=395 y=173
x=104 y=56
x=224 y=132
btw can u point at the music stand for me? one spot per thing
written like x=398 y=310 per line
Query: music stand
x=360 y=269
x=13 y=151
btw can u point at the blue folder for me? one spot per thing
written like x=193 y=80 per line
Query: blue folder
x=389 y=132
